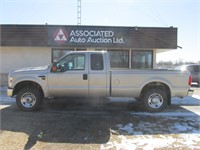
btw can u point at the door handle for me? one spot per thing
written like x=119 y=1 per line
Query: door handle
x=85 y=76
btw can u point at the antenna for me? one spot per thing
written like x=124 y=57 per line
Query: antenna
x=79 y=12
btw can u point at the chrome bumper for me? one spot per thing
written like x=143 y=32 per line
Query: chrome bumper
x=10 y=92
x=190 y=92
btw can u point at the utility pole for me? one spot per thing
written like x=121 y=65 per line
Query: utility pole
x=79 y=12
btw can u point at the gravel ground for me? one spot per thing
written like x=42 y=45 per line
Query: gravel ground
x=122 y=126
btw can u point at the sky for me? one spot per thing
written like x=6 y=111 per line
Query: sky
x=183 y=14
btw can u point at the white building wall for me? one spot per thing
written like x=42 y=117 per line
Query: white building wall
x=18 y=57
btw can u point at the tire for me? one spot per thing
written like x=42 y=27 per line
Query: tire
x=155 y=100
x=29 y=99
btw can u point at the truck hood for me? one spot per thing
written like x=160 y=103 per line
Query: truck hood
x=31 y=70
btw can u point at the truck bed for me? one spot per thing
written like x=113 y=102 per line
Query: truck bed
x=130 y=82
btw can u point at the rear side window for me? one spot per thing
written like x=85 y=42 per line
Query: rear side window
x=197 y=69
x=96 y=62
x=194 y=68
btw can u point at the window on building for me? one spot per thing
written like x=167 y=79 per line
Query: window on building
x=119 y=58
x=58 y=53
x=141 y=59
x=96 y=62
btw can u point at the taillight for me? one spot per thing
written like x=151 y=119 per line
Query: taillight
x=190 y=80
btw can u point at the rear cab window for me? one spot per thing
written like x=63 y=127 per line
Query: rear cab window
x=97 y=62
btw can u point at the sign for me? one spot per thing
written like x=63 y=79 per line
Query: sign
x=112 y=37
x=84 y=36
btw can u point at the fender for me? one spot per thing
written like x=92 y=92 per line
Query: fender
x=41 y=81
x=158 y=80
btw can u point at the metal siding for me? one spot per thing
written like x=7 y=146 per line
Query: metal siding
x=23 y=35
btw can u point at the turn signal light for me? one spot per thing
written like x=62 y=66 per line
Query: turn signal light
x=190 y=80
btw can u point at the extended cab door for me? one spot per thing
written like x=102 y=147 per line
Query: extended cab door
x=98 y=75
x=71 y=76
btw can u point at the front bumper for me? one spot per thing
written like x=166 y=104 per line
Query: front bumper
x=10 y=92
x=190 y=92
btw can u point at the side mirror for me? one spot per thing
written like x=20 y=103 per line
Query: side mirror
x=54 y=67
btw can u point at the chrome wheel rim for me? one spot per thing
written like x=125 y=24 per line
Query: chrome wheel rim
x=28 y=100
x=155 y=100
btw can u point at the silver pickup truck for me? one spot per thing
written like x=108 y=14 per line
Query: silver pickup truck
x=88 y=74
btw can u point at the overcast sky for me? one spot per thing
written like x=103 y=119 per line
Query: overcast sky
x=183 y=14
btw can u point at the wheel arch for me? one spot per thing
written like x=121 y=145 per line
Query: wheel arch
x=27 y=83
x=159 y=85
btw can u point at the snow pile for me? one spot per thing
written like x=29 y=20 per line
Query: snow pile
x=147 y=142
x=127 y=128
x=163 y=134
x=151 y=142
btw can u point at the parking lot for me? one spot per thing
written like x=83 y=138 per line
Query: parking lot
x=61 y=124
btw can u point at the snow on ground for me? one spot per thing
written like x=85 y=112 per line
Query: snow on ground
x=151 y=142
x=178 y=129
x=168 y=133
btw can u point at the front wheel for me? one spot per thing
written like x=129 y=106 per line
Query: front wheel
x=155 y=100
x=28 y=99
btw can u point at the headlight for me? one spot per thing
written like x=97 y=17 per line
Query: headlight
x=10 y=80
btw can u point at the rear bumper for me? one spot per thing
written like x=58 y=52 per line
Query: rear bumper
x=190 y=92
x=10 y=92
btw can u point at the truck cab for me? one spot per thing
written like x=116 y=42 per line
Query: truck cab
x=80 y=74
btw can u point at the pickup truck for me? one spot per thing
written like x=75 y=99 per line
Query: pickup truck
x=88 y=74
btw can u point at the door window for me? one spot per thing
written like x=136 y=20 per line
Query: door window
x=72 y=62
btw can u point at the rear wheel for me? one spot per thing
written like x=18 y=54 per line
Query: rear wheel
x=29 y=99
x=154 y=100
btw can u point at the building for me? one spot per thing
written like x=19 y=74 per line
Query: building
x=36 y=45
